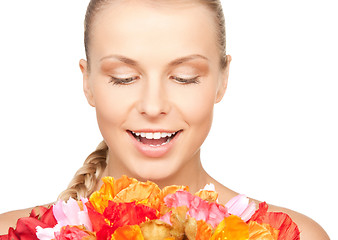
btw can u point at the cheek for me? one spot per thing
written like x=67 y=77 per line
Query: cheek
x=197 y=104
x=196 y=107
x=111 y=107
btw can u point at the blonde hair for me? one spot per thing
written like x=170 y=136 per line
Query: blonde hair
x=215 y=6
x=87 y=177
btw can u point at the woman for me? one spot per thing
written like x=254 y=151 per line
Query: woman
x=153 y=79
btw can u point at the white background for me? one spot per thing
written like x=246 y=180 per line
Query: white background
x=275 y=134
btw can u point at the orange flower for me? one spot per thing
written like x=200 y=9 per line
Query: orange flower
x=231 y=228
x=204 y=231
x=207 y=195
x=156 y=229
x=124 y=190
x=108 y=191
x=132 y=232
x=139 y=192
x=262 y=231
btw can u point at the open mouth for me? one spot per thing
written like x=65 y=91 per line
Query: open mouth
x=154 y=139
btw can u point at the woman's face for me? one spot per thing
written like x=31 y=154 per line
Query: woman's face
x=154 y=79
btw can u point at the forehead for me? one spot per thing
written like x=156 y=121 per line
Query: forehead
x=139 y=29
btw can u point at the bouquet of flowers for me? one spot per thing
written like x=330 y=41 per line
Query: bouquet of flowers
x=129 y=209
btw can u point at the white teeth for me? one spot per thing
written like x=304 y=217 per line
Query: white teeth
x=153 y=135
x=157 y=135
x=149 y=136
x=163 y=135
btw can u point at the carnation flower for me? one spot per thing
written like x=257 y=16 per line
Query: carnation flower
x=210 y=212
x=128 y=209
x=74 y=233
x=66 y=213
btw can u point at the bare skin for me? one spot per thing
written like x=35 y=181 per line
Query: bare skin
x=151 y=52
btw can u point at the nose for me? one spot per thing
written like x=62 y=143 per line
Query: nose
x=153 y=100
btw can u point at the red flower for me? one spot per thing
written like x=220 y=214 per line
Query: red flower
x=122 y=214
x=26 y=226
x=97 y=219
x=288 y=230
x=118 y=215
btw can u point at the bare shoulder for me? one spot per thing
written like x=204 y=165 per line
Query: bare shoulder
x=9 y=219
x=309 y=229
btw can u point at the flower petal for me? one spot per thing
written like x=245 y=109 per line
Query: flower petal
x=278 y=220
x=248 y=212
x=74 y=233
x=231 y=228
x=240 y=207
x=128 y=233
x=44 y=233
x=237 y=205
x=121 y=214
x=142 y=192
x=262 y=231
x=204 y=231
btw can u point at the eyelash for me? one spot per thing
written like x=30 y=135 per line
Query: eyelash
x=194 y=80
x=122 y=81
x=126 y=81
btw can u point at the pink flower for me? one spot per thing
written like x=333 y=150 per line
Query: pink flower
x=240 y=207
x=71 y=233
x=212 y=213
x=180 y=198
x=66 y=214
x=166 y=217
x=70 y=213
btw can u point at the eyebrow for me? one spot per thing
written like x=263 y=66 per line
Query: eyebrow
x=175 y=62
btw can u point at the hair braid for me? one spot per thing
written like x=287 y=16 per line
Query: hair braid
x=85 y=179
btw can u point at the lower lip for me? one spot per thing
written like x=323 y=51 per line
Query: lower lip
x=153 y=151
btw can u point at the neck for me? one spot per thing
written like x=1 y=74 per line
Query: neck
x=191 y=174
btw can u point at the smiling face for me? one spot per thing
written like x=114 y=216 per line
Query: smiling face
x=154 y=79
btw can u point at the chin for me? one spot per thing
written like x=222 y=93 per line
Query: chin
x=155 y=172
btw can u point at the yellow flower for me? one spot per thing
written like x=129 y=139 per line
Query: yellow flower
x=231 y=228
x=262 y=231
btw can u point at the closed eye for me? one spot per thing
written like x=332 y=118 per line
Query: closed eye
x=122 y=81
x=186 y=80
